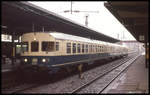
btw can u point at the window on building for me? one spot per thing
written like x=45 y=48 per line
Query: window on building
x=74 y=47
x=48 y=46
x=34 y=46
x=68 y=47
x=79 y=48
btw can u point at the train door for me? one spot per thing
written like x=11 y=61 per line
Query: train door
x=91 y=55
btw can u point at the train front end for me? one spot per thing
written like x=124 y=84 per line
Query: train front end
x=34 y=47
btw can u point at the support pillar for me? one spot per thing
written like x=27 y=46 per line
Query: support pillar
x=146 y=55
x=13 y=48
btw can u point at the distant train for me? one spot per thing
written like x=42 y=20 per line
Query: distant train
x=50 y=50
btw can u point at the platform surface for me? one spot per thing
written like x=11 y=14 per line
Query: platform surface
x=135 y=79
x=8 y=67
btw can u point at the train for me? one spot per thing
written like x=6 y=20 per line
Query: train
x=52 y=50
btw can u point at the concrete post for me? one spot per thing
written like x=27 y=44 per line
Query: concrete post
x=146 y=55
x=13 y=48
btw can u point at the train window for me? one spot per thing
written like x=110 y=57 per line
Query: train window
x=34 y=46
x=48 y=46
x=86 y=48
x=24 y=46
x=91 y=48
x=105 y=48
x=82 y=48
x=101 y=48
x=96 y=48
x=68 y=47
x=79 y=48
x=57 y=46
x=74 y=48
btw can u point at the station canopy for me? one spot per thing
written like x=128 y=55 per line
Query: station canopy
x=23 y=17
x=133 y=15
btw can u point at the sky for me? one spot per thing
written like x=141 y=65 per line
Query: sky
x=100 y=19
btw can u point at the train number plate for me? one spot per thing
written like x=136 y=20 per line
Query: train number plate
x=34 y=63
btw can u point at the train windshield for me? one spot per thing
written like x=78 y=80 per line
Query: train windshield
x=48 y=46
x=24 y=47
x=34 y=46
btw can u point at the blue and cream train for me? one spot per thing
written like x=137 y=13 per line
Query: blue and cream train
x=53 y=50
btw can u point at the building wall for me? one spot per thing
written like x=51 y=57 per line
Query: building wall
x=133 y=46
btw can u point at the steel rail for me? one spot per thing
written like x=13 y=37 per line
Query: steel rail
x=87 y=84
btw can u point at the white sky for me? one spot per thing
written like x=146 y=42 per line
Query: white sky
x=103 y=22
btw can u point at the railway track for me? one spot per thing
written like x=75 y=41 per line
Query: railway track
x=9 y=79
x=25 y=88
x=105 y=79
x=26 y=84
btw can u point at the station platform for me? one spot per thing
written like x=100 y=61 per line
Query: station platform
x=134 y=79
x=8 y=67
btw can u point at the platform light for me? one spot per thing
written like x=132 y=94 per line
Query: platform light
x=4 y=26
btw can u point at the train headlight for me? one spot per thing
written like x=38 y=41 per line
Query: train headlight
x=44 y=60
x=25 y=60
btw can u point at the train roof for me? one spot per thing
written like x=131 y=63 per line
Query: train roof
x=63 y=36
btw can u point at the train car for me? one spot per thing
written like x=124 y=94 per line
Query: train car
x=51 y=50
